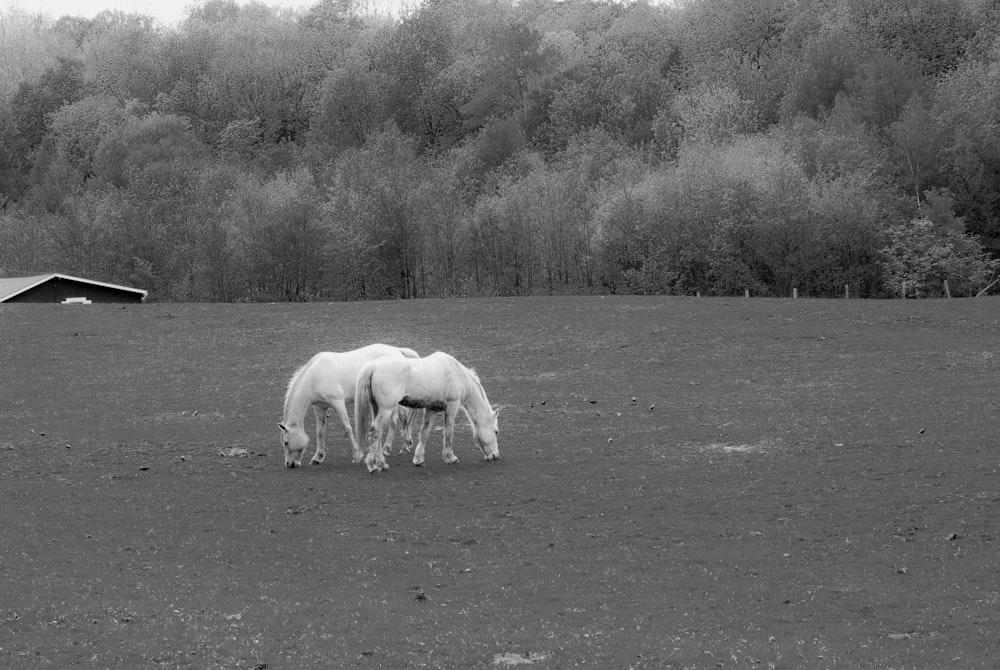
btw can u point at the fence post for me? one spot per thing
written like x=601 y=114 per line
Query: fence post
x=903 y=291
x=746 y=293
x=947 y=291
x=847 y=291
x=795 y=293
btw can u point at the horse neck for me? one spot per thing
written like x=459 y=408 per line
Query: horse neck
x=295 y=404
x=476 y=401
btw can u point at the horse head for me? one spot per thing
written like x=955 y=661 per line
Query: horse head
x=294 y=440
x=487 y=433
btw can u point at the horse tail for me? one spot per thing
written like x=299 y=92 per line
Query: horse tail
x=364 y=403
x=408 y=353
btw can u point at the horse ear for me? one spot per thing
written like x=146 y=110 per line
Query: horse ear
x=496 y=410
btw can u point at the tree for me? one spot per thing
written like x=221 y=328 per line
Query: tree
x=29 y=46
x=276 y=234
x=82 y=241
x=828 y=61
x=246 y=64
x=967 y=110
x=373 y=202
x=24 y=243
x=422 y=101
x=835 y=146
x=31 y=108
x=917 y=149
x=739 y=43
x=882 y=88
x=935 y=33
x=78 y=129
x=146 y=148
x=743 y=214
x=508 y=62
x=922 y=257
x=714 y=113
x=122 y=57
x=536 y=233
x=352 y=104
x=607 y=67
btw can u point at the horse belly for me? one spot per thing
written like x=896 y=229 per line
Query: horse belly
x=422 y=403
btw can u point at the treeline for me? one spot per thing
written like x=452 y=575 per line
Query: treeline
x=483 y=147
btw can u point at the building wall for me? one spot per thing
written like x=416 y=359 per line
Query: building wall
x=58 y=289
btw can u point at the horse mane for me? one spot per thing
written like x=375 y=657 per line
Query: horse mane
x=478 y=386
x=295 y=378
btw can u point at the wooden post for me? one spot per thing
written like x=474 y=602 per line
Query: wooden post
x=847 y=291
x=947 y=292
x=746 y=293
x=795 y=293
x=988 y=287
x=903 y=291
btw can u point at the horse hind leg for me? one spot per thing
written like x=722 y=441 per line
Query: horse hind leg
x=375 y=460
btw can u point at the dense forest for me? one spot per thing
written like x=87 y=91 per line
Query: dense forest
x=494 y=147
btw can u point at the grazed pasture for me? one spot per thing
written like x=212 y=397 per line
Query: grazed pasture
x=685 y=484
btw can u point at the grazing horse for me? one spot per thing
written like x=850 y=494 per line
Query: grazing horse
x=437 y=383
x=326 y=381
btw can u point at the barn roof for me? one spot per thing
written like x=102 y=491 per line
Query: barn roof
x=12 y=286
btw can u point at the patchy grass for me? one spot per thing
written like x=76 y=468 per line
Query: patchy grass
x=685 y=484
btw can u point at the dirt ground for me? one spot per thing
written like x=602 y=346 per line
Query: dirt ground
x=685 y=483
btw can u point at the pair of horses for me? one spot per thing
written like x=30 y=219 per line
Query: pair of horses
x=387 y=385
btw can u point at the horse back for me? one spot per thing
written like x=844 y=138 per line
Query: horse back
x=333 y=374
x=377 y=350
x=428 y=382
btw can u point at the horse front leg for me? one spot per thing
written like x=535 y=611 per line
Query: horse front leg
x=320 y=436
x=425 y=431
x=341 y=407
x=404 y=426
x=448 y=452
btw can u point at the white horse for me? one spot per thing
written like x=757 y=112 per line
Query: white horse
x=326 y=381
x=437 y=383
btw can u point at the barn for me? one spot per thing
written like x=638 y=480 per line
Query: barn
x=65 y=289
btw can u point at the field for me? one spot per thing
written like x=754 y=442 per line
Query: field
x=685 y=483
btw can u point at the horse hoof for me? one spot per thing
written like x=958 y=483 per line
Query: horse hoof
x=290 y=464
x=377 y=467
